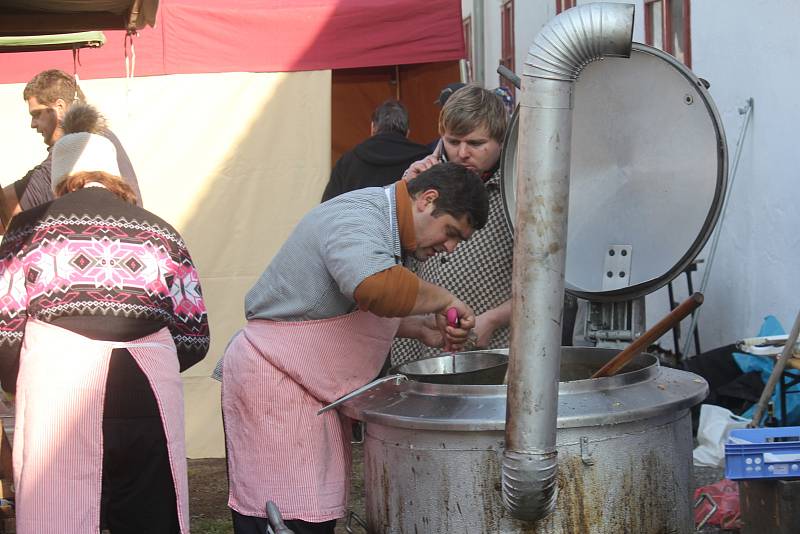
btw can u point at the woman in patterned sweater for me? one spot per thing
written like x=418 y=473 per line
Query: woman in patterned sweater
x=100 y=308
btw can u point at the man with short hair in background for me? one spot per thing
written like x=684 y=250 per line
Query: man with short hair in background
x=49 y=95
x=380 y=160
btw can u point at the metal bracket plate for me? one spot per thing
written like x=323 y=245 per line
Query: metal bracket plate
x=617 y=267
x=586 y=456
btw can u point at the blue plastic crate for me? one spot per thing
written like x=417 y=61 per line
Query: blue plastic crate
x=771 y=453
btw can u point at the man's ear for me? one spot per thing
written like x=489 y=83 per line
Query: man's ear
x=425 y=199
x=61 y=108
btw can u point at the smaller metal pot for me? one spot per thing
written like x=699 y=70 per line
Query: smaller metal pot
x=460 y=368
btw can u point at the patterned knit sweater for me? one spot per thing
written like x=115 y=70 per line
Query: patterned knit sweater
x=96 y=265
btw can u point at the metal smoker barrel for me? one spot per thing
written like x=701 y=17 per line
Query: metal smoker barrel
x=433 y=452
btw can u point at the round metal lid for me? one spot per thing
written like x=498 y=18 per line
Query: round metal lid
x=648 y=174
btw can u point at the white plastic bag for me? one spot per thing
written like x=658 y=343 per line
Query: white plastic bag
x=715 y=425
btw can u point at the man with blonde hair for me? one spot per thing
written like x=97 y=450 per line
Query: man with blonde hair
x=472 y=125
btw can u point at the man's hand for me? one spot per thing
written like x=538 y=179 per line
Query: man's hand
x=424 y=164
x=489 y=321
x=422 y=328
x=484 y=329
x=455 y=336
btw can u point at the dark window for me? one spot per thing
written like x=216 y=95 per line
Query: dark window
x=563 y=5
x=468 y=44
x=667 y=27
x=507 y=46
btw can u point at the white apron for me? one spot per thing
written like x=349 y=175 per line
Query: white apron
x=276 y=375
x=58 y=435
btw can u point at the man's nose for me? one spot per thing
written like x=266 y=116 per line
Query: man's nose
x=450 y=245
x=463 y=151
x=33 y=123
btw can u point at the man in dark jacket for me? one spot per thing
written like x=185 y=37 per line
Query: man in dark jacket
x=381 y=159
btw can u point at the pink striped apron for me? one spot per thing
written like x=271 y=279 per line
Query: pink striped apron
x=275 y=377
x=58 y=434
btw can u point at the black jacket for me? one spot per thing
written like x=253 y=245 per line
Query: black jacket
x=376 y=162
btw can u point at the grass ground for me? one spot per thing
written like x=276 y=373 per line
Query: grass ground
x=208 y=493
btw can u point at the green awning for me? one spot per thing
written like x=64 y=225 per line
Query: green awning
x=61 y=41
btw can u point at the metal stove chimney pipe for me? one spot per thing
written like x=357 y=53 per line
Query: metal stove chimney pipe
x=560 y=51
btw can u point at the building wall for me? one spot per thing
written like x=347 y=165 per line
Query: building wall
x=749 y=49
x=529 y=17
x=744 y=48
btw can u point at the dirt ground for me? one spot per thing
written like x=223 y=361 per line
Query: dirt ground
x=208 y=495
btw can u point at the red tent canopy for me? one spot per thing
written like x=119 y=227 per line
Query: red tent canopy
x=194 y=36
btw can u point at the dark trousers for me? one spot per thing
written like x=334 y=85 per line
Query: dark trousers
x=244 y=524
x=138 y=494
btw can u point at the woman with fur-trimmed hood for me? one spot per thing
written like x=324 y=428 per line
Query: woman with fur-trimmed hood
x=100 y=310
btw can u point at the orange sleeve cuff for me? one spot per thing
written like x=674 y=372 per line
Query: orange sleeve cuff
x=389 y=293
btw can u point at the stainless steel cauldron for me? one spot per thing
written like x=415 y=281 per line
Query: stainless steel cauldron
x=432 y=452
x=474 y=367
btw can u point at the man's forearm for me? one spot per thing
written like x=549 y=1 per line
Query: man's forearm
x=500 y=316
x=430 y=298
x=411 y=326
x=9 y=205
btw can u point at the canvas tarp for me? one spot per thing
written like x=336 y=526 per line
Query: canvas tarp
x=44 y=17
x=60 y=41
x=196 y=36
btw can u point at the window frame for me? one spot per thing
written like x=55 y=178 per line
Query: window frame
x=466 y=26
x=507 y=48
x=563 y=5
x=667 y=29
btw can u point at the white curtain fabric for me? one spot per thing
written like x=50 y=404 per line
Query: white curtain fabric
x=231 y=160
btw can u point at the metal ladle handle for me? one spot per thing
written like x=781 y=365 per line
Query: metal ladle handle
x=276 y=524
x=650 y=336
x=363 y=389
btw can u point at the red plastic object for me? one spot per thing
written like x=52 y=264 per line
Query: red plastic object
x=725 y=494
x=452 y=317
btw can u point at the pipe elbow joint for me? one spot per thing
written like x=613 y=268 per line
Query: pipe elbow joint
x=579 y=36
x=529 y=484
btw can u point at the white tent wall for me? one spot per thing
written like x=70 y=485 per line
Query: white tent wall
x=745 y=48
x=232 y=161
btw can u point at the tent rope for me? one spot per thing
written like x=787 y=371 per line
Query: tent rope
x=130 y=59
x=76 y=60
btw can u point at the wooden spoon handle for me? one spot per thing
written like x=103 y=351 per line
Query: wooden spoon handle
x=656 y=331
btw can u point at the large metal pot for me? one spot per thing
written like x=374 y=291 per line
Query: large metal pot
x=473 y=367
x=432 y=452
